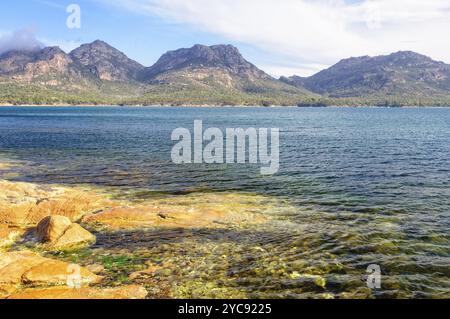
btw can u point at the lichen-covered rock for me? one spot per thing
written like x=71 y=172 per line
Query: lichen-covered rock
x=54 y=272
x=124 y=292
x=8 y=235
x=24 y=204
x=96 y=268
x=51 y=228
x=74 y=237
x=7 y=289
x=14 y=264
x=25 y=267
x=59 y=233
x=192 y=211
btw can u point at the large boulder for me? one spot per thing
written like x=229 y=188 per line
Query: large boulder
x=51 y=228
x=59 y=233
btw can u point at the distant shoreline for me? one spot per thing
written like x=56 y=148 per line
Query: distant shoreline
x=215 y=76
x=220 y=106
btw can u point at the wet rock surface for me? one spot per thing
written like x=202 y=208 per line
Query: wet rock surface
x=193 y=211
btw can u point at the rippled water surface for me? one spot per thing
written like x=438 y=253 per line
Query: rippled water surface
x=364 y=186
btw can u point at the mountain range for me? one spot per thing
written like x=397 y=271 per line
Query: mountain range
x=97 y=73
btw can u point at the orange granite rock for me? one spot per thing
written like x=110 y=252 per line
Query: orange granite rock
x=9 y=234
x=124 y=292
x=14 y=264
x=25 y=267
x=58 y=233
x=24 y=205
x=7 y=290
x=51 y=228
x=205 y=210
x=54 y=272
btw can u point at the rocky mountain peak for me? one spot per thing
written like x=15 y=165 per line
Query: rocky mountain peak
x=30 y=64
x=404 y=73
x=106 y=62
x=224 y=57
x=50 y=53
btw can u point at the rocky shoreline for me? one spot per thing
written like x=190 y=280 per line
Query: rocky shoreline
x=40 y=225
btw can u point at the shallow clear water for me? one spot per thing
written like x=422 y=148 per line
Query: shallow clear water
x=369 y=186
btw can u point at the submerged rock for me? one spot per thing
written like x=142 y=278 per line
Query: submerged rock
x=319 y=281
x=4 y=166
x=25 y=205
x=190 y=211
x=59 y=233
x=152 y=270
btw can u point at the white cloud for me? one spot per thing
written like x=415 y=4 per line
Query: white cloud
x=314 y=32
x=281 y=70
x=23 y=39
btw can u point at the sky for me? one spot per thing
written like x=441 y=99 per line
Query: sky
x=282 y=37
